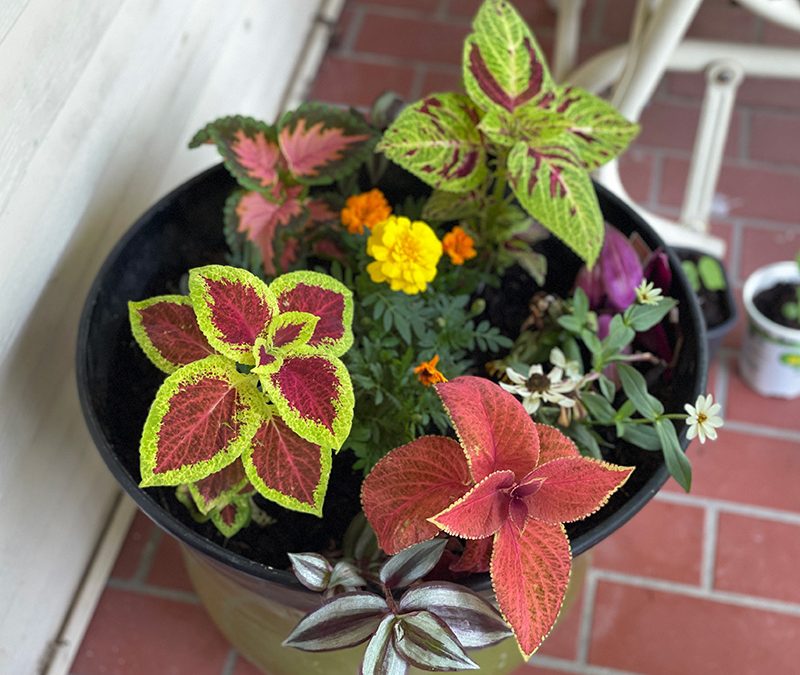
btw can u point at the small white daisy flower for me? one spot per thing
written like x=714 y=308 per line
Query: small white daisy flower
x=703 y=419
x=572 y=369
x=647 y=293
x=538 y=387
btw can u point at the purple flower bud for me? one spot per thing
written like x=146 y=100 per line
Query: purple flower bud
x=657 y=270
x=621 y=269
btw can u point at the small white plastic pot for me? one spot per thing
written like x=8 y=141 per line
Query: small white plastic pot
x=770 y=358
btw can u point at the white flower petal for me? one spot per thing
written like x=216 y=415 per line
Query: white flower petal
x=692 y=432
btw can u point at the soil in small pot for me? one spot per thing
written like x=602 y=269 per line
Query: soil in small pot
x=771 y=300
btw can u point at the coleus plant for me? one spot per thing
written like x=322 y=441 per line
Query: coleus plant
x=256 y=398
x=276 y=164
x=408 y=622
x=514 y=127
x=506 y=487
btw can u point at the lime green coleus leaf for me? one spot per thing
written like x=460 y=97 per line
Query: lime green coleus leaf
x=233 y=517
x=503 y=65
x=552 y=186
x=220 y=488
x=535 y=126
x=233 y=307
x=599 y=133
x=437 y=140
x=203 y=417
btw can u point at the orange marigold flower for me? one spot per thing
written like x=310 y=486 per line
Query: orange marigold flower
x=365 y=210
x=428 y=374
x=459 y=246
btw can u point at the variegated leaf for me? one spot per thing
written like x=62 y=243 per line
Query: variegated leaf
x=323 y=296
x=313 y=395
x=412 y=564
x=248 y=147
x=312 y=570
x=345 y=621
x=381 y=656
x=232 y=518
x=599 y=132
x=474 y=622
x=287 y=469
x=411 y=484
x=289 y=331
x=427 y=642
x=503 y=65
x=480 y=512
x=219 y=489
x=203 y=417
x=166 y=329
x=530 y=573
x=443 y=206
x=233 y=307
x=259 y=218
x=322 y=143
x=437 y=140
x=533 y=125
x=552 y=185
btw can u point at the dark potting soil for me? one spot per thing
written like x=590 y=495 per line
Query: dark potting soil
x=770 y=301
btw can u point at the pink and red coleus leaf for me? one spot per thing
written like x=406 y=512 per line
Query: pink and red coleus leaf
x=530 y=572
x=220 y=488
x=573 y=488
x=480 y=512
x=322 y=143
x=410 y=485
x=503 y=65
x=287 y=469
x=166 y=329
x=322 y=296
x=248 y=147
x=252 y=213
x=203 y=417
x=554 y=445
x=494 y=430
x=313 y=394
x=233 y=307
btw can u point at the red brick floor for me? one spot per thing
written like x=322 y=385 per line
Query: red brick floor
x=705 y=583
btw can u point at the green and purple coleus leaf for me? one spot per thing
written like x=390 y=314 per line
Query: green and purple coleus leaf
x=220 y=488
x=248 y=147
x=437 y=140
x=321 y=143
x=234 y=516
x=166 y=329
x=204 y=416
x=503 y=65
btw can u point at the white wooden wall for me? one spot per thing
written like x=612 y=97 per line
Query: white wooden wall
x=98 y=99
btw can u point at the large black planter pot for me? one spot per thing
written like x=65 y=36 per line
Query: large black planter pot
x=117 y=383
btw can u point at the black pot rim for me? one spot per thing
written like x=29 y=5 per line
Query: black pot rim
x=183 y=533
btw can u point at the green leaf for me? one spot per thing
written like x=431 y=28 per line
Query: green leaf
x=570 y=323
x=675 y=459
x=503 y=66
x=600 y=133
x=690 y=270
x=644 y=317
x=437 y=140
x=443 y=205
x=642 y=436
x=586 y=439
x=535 y=264
x=607 y=388
x=425 y=641
x=635 y=387
x=711 y=273
x=232 y=518
x=619 y=336
x=598 y=407
x=553 y=187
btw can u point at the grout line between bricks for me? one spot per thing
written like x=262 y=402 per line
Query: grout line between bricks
x=347 y=45
x=153 y=591
x=417 y=82
x=147 y=556
x=230 y=663
x=761 y=430
x=686 y=590
x=440 y=13
x=735 y=254
x=709 y=556
x=745 y=124
x=721 y=382
x=725 y=506
x=564 y=666
x=587 y=615
x=655 y=180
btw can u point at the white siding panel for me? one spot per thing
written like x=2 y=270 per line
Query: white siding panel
x=99 y=100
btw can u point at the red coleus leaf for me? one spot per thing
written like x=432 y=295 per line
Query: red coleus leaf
x=260 y=218
x=573 y=488
x=287 y=469
x=530 y=572
x=166 y=329
x=233 y=308
x=203 y=417
x=476 y=556
x=554 y=445
x=493 y=427
x=324 y=297
x=411 y=484
x=321 y=143
x=220 y=488
x=480 y=512
x=314 y=396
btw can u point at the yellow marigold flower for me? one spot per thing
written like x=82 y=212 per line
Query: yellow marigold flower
x=428 y=374
x=365 y=210
x=459 y=246
x=406 y=254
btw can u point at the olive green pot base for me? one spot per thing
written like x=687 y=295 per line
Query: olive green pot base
x=256 y=615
